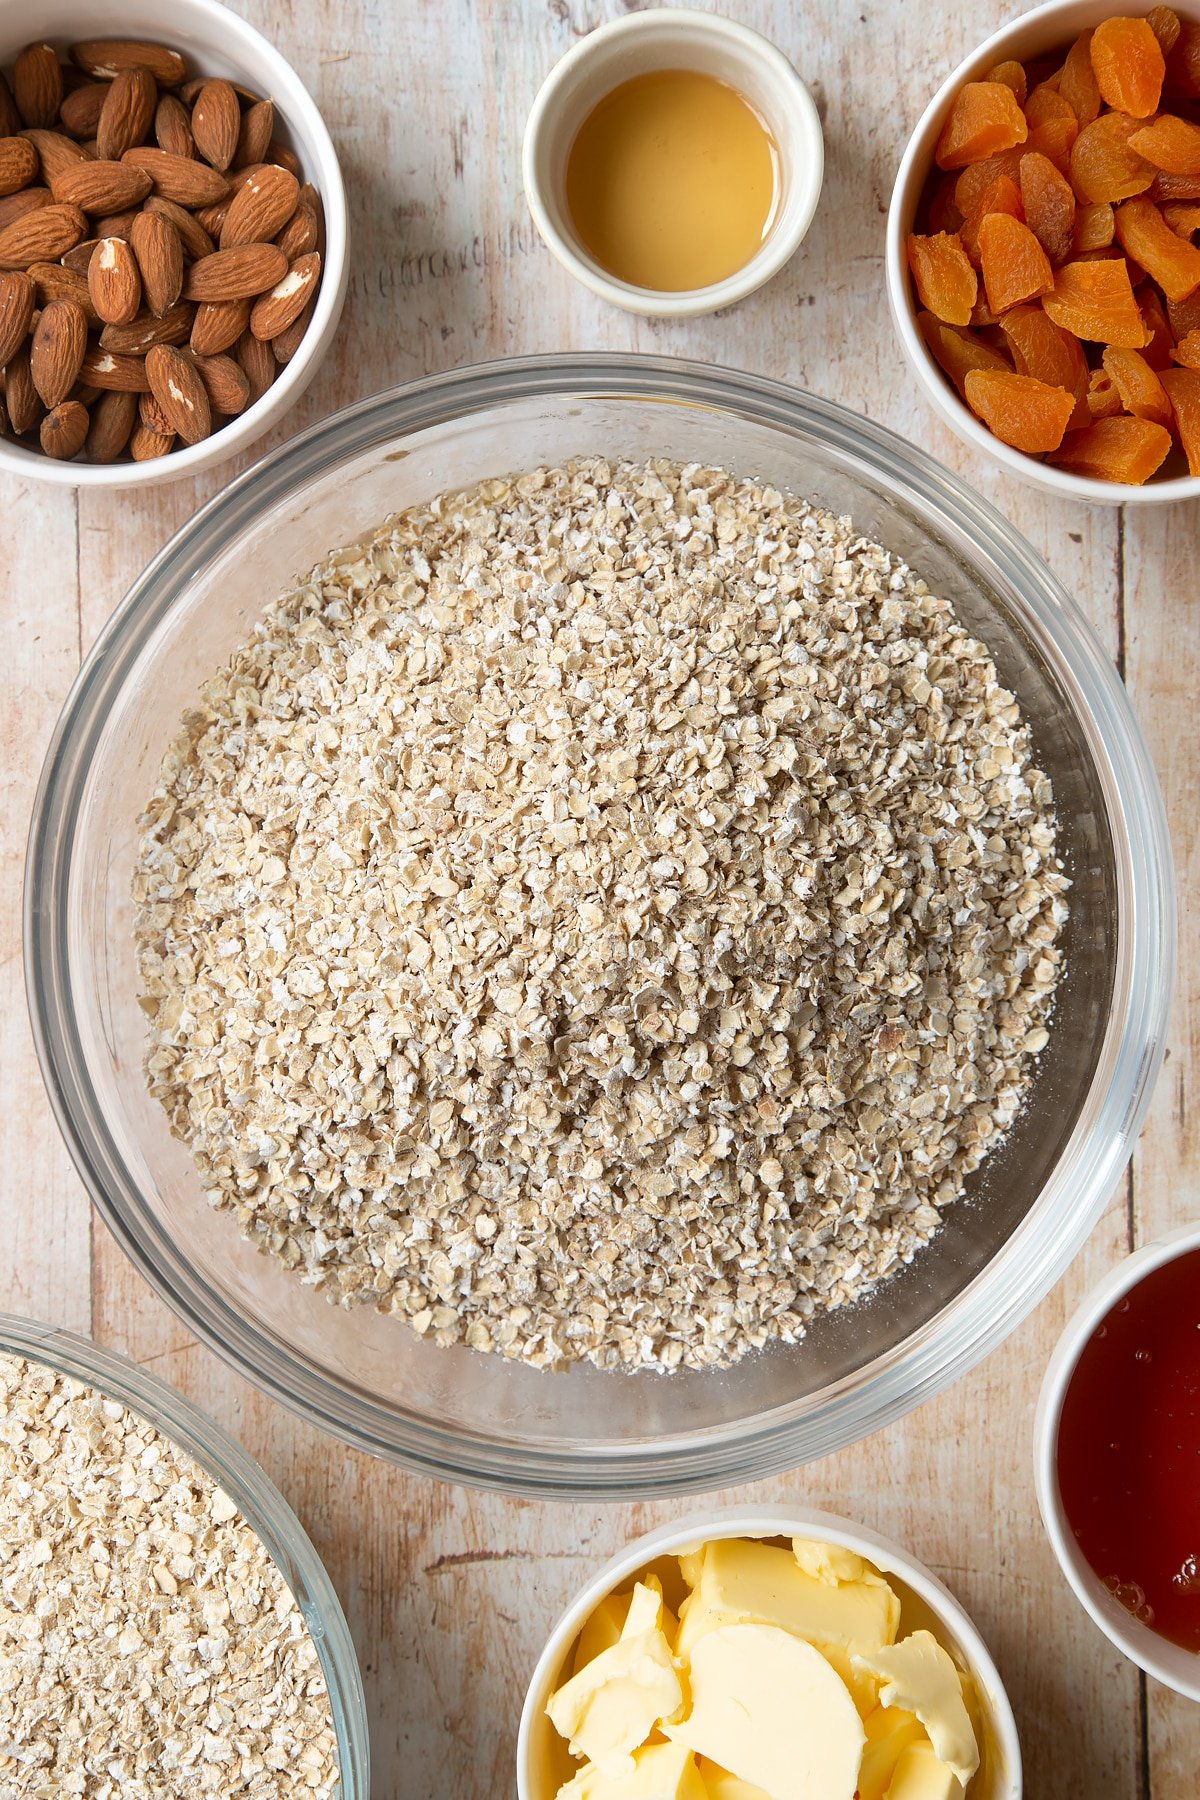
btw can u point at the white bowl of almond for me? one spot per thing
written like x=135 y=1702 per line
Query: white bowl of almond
x=766 y=1654
x=173 y=243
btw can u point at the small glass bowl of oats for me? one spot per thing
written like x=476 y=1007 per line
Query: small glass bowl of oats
x=163 y=1606
x=673 y=930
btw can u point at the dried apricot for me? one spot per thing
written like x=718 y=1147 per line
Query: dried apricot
x=1012 y=74
x=1053 y=126
x=1103 y=167
x=943 y=208
x=1159 y=339
x=1015 y=267
x=1041 y=349
x=1095 y=225
x=984 y=118
x=982 y=316
x=1129 y=65
x=1174 y=187
x=1142 y=393
x=1187 y=352
x=1120 y=449
x=1004 y=196
x=1103 y=396
x=1020 y=411
x=1183 y=63
x=958 y=351
x=1165 y=25
x=946 y=282
x=1169 y=143
x=1172 y=262
x=1183 y=385
x=974 y=182
x=1183 y=216
x=1184 y=316
x=1095 y=301
x=1077 y=82
x=1049 y=203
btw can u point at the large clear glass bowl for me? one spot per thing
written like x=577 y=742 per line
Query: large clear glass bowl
x=258 y=1500
x=456 y=1413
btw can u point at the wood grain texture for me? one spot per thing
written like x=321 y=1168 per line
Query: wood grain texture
x=449 y=1593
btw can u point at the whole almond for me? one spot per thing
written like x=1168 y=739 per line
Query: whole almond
x=113 y=419
x=80 y=111
x=79 y=259
x=189 y=93
x=254 y=134
x=40 y=236
x=57 y=349
x=127 y=113
x=276 y=152
x=261 y=207
x=10 y=118
x=176 y=385
x=38 y=85
x=17 y=296
x=216 y=123
x=276 y=310
x=236 y=274
x=53 y=281
x=176 y=178
x=152 y=415
x=155 y=243
x=172 y=128
x=286 y=343
x=20 y=395
x=118 y=224
x=101 y=187
x=225 y=383
x=15 y=206
x=109 y=370
x=85 y=394
x=212 y=218
x=107 y=57
x=147 y=329
x=114 y=282
x=218 y=324
x=145 y=445
x=258 y=363
x=56 y=153
x=18 y=164
x=299 y=235
x=192 y=235
x=64 y=430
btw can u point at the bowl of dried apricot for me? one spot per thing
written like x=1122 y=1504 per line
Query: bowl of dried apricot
x=1042 y=268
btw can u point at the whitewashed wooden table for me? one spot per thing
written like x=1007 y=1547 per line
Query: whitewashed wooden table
x=449 y=1593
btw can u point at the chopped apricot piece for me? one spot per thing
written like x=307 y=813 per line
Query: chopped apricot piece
x=1077 y=83
x=1015 y=267
x=1020 y=411
x=958 y=352
x=1002 y=195
x=1183 y=63
x=1187 y=351
x=1103 y=395
x=1103 y=167
x=1129 y=65
x=1184 y=315
x=1118 y=449
x=1172 y=262
x=1053 y=126
x=946 y=282
x=1142 y=393
x=982 y=316
x=1165 y=25
x=1095 y=301
x=1041 y=349
x=1095 y=225
x=1183 y=385
x=984 y=118
x=1183 y=216
x=971 y=185
x=1169 y=143
x=1159 y=339
x=1012 y=74
x=943 y=208
x=1049 y=203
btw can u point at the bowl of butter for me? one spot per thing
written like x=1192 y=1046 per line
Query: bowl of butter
x=766 y=1654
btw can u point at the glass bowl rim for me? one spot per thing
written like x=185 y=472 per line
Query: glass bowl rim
x=1015 y=1278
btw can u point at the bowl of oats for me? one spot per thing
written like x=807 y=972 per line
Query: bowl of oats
x=163 y=1606
x=605 y=868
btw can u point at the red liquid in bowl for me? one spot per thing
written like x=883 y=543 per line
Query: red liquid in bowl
x=1129 y=1451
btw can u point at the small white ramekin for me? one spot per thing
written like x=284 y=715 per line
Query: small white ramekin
x=1169 y=1663
x=925 y=1605
x=215 y=41
x=1036 y=33
x=673 y=38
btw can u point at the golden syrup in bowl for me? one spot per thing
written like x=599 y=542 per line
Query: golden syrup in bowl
x=672 y=181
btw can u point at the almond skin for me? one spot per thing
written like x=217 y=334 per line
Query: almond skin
x=259 y=364
x=127 y=114
x=15 y=206
x=53 y=281
x=300 y=234
x=176 y=385
x=176 y=178
x=261 y=207
x=217 y=123
x=41 y=236
x=145 y=445
x=106 y=57
x=152 y=415
x=109 y=370
x=282 y=306
x=155 y=243
x=37 y=85
x=225 y=382
x=18 y=164
x=192 y=235
x=213 y=218
x=64 y=430
x=17 y=296
x=56 y=153
x=114 y=282
x=218 y=324
x=113 y=418
x=254 y=134
x=172 y=128
x=101 y=187
x=10 y=118
x=236 y=274
x=141 y=334
x=57 y=350
x=285 y=345
x=81 y=109
x=279 y=153
x=20 y=395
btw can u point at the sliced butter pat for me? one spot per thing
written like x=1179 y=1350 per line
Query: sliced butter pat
x=890 y=1730
x=719 y=1784
x=864 y=1687
x=745 y=1582
x=615 y=1701
x=690 y=1562
x=648 y=1611
x=831 y=1563
x=771 y=1710
x=921 y=1775
x=657 y=1772
x=919 y=1675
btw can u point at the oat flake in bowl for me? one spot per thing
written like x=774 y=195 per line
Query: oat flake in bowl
x=606 y=915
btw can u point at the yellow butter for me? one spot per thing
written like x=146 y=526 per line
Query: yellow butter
x=831 y=1563
x=921 y=1775
x=863 y=1686
x=690 y=1562
x=614 y=1702
x=920 y=1676
x=890 y=1730
x=657 y=1772
x=769 y=1708
x=601 y=1630
x=719 y=1784
x=748 y=1582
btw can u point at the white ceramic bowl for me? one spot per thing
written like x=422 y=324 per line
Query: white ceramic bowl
x=215 y=41
x=673 y=38
x=542 y=1761
x=1169 y=1663
x=1037 y=33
